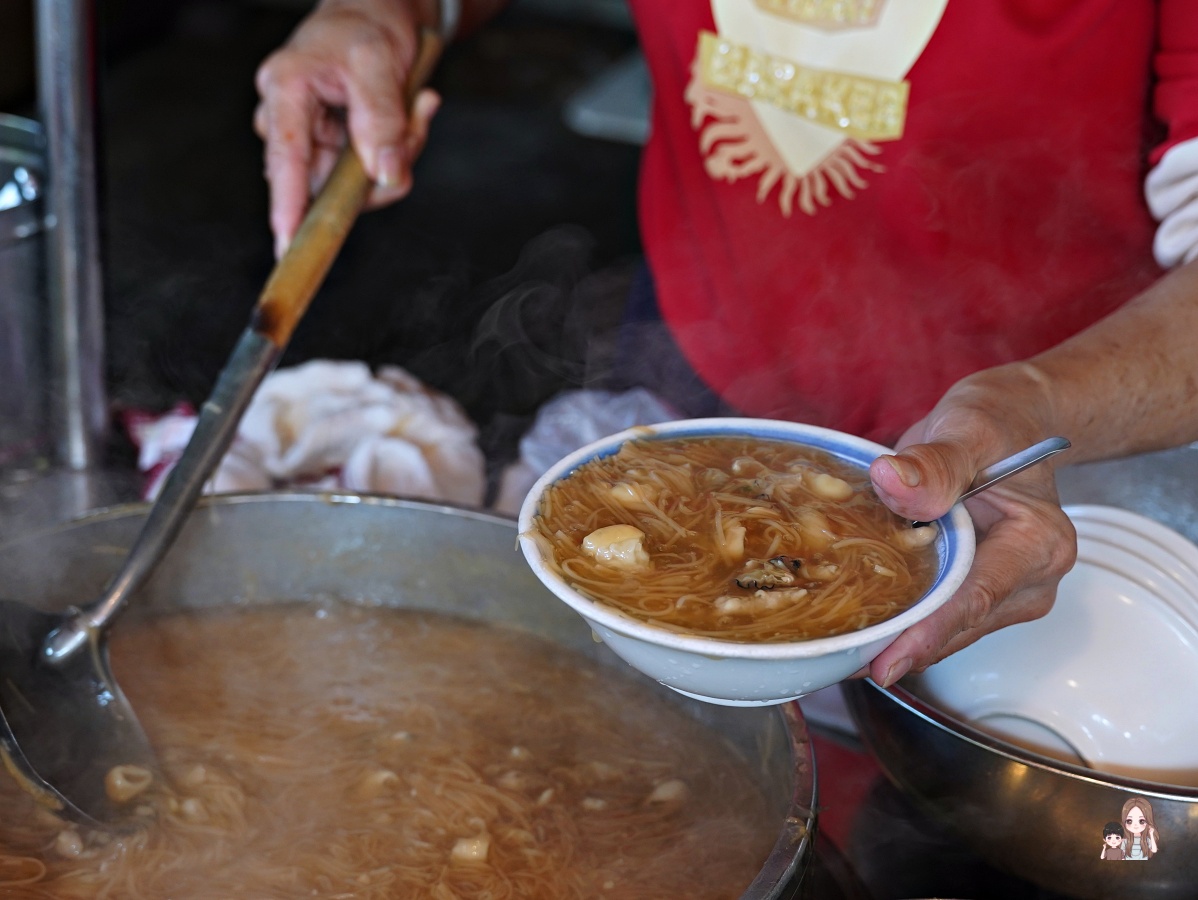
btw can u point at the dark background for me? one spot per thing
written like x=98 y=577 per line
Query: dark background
x=495 y=281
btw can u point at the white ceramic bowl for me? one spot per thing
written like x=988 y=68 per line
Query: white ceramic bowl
x=727 y=672
x=1101 y=680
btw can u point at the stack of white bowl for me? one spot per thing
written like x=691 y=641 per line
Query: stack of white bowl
x=1105 y=680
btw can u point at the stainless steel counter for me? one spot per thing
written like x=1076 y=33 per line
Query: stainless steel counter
x=1162 y=486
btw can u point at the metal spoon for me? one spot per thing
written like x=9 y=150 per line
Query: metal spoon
x=64 y=723
x=1005 y=468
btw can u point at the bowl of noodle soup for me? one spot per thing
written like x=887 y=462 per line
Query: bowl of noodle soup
x=744 y=562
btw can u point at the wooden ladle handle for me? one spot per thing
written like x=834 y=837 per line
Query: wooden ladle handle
x=301 y=270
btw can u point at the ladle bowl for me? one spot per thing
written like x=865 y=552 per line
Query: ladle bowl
x=64 y=727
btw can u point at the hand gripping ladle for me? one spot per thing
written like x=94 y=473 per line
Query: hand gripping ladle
x=64 y=722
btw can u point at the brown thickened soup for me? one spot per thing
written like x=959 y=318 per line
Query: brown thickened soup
x=339 y=751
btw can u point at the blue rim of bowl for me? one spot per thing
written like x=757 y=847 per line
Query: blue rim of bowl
x=955 y=542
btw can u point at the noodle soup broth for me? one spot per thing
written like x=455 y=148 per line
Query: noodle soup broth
x=335 y=750
x=733 y=537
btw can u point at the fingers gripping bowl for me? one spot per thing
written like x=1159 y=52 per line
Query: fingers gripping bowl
x=693 y=630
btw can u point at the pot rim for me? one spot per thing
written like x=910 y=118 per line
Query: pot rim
x=964 y=731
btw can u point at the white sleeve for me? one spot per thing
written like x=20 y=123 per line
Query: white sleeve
x=1172 y=193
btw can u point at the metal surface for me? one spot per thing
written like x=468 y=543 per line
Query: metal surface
x=1037 y=818
x=66 y=77
x=1161 y=485
x=24 y=342
x=312 y=547
x=64 y=728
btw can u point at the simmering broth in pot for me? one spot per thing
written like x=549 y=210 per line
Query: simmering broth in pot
x=340 y=751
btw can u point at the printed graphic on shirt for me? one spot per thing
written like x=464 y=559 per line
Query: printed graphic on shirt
x=826 y=13
x=800 y=92
x=1134 y=836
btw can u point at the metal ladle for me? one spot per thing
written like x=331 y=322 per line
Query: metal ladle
x=64 y=723
x=1005 y=468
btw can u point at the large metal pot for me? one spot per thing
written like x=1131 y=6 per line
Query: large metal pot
x=261 y=548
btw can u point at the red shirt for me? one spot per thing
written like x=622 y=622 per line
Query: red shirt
x=1008 y=215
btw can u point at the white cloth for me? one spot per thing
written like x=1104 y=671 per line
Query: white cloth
x=337 y=426
x=1171 y=190
x=571 y=420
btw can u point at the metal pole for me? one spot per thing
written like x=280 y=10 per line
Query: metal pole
x=66 y=70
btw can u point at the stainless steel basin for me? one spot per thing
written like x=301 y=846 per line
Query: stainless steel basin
x=1037 y=818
